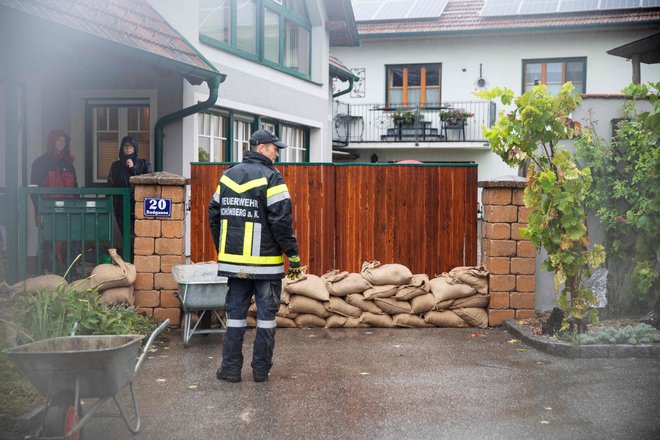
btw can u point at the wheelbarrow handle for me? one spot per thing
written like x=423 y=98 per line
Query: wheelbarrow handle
x=145 y=350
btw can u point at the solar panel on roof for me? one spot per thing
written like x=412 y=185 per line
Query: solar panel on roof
x=619 y=4
x=393 y=10
x=577 y=5
x=529 y=7
x=501 y=7
x=538 y=6
x=376 y=10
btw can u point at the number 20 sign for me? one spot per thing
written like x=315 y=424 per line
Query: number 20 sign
x=157 y=207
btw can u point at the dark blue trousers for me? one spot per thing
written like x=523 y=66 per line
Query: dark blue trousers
x=267 y=296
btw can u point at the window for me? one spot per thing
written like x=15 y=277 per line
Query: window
x=109 y=121
x=413 y=85
x=242 y=131
x=275 y=32
x=211 y=137
x=554 y=73
x=296 y=139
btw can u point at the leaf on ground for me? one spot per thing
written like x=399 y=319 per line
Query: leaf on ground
x=161 y=380
x=477 y=335
x=513 y=341
x=545 y=422
x=521 y=349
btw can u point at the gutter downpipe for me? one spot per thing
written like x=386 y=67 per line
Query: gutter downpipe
x=350 y=87
x=159 y=129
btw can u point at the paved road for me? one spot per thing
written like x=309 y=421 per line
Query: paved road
x=393 y=384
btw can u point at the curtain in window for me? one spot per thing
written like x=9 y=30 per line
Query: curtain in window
x=246 y=25
x=296 y=47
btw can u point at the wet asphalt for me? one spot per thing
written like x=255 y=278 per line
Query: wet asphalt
x=391 y=384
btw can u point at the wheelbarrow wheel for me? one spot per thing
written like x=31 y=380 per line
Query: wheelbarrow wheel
x=61 y=418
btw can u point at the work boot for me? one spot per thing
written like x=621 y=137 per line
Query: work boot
x=223 y=375
x=259 y=377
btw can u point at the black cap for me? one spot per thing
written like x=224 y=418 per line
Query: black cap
x=266 y=137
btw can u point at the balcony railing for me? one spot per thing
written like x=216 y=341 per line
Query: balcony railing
x=379 y=123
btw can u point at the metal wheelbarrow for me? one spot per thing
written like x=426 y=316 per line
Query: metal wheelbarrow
x=68 y=369
x=200 y=290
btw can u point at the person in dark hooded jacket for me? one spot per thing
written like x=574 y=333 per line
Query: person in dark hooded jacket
x=54 y=169
x=119 y=177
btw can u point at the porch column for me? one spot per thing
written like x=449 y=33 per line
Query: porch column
x=510 y=258
x=159 y=245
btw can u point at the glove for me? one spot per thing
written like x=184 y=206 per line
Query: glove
x=295 y=271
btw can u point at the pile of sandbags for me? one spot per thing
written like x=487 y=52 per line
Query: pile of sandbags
x=113 y=282
x=384 y=295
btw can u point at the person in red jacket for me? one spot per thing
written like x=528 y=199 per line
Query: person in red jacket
x=54 y=169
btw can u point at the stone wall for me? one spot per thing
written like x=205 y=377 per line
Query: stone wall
x=510 y=258
x=159 y=245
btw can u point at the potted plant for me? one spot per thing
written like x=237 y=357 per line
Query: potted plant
x=455 y=117
x=406 y=118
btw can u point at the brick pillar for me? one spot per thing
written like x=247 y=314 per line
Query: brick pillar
x=159 y=245
x=510 y=258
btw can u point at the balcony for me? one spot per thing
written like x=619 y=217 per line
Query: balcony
x=368 y=123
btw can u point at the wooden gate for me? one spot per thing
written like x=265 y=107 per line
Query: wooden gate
x=422 y=216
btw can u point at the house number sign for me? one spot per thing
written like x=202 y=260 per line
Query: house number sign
x=157 y=207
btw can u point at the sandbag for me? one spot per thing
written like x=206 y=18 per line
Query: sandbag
x=335 y=321
x=474 y=316
x=407 y=320
x=478 y=300
x=393 y=306
x=308 y=285
x=378 y=274
x=384 y=291
x=355 y=323
x=285 y=312
x=306 y=320
x=446 y=318
x=351 y=283
x=476 y=277
x=251 y=321
x=443 y=305
x=334 y=276
x=285 y=322
x=422 y=304
x=131 y=271
x=284 y=295
x=303 y=305
x=117 y=296
x=383 y=321
x=418 y=285
x=39 y=284
x=340 y=307
x=358 y=300
x=252 y=310
x=443 y=290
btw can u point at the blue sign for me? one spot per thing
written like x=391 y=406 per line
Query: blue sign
x=157 y=207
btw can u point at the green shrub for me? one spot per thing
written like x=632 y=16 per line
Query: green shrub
x=634 y=335
x=50 y=314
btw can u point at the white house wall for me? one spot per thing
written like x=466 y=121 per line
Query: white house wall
x=500 y=56
x=269 y=92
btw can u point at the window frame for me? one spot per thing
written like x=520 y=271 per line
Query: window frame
x=405 y=87
x=91 y=151
x=223 y=118
x=284 y=14
x=545 y=61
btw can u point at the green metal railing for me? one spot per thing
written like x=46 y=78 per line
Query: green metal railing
x=74 y=219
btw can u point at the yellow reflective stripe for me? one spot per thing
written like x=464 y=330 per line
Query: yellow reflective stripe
x=295 y=259
x=247 y=239
x=276 y=190
x=223 y=237
x=239 y=188
x=249 y=259
x=217 y=189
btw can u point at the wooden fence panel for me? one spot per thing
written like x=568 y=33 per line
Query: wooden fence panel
x=313 y=199
x=424 y=217
x=421 y=216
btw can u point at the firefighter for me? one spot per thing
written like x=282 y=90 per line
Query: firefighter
x=251 y=222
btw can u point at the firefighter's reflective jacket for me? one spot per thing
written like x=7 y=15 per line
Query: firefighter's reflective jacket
x=250 y=219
